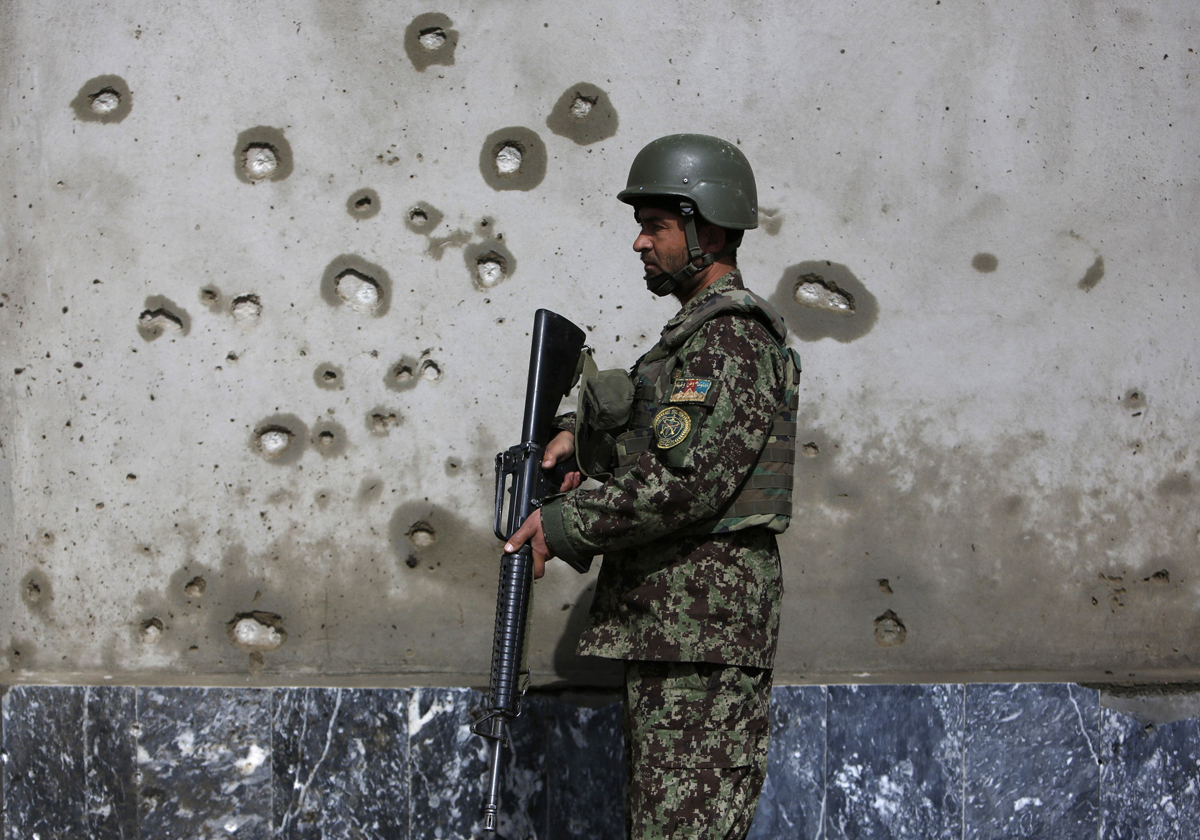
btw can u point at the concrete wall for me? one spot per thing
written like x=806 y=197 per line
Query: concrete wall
x=266 y=293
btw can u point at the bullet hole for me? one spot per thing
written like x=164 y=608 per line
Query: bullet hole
x=433 y=38
x=104 y=99
x=358 y=285
x=160 y=316
x=1093 y=275
x=256 y=632
x=513 y=159
x=381 y=420
x=889 y=630
x=423 y=218
x=770 y=220
x=329 y=438
x=246 y=309
x=431 y=371
x=402 y=373
x=421 y=534
x=583 y=114
x=33 y=590
x=815 y=292
x=985 y=263
x=810 y=450
x=152 y=630
x=329 y=377
x=490 y=269
x=260 y=160
x=884 y=586
x=261 y=154
x=360 y=292
x=363 y=204
x=490 y=263
x=508 y=158
x=195 y=587
x=835 y=303
x=274 y=441
x=280 y=439
x=154 y=322
x=430 y=40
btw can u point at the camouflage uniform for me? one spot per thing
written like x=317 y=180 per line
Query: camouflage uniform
x=676 y=585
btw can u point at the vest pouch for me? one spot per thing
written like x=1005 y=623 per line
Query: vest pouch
x=605 y=400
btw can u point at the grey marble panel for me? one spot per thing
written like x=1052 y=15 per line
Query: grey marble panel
x=448 y=765
x=586 y=772
x=205 y=760
x=110 y=785
x=792 y=803
x=44 y=772
x=894 y=766
x=1032 y=762
x=340 y=760
x=1150 y=785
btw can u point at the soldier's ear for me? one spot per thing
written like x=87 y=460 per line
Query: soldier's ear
x=712 y=238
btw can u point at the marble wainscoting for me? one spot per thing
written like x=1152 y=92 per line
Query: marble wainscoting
x=929 y=761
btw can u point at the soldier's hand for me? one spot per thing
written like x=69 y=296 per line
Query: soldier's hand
x=531 y=532
x=560 y=448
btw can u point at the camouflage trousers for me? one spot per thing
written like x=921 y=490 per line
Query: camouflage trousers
x=695 y=748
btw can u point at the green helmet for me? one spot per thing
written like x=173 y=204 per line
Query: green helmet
x=709 y=178
x=711 y=173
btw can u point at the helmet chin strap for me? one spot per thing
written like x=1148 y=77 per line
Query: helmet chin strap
x=697 y=261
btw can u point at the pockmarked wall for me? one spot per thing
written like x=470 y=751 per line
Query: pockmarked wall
x=269 y=273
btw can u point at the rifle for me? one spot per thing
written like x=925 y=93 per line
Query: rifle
x=553 y=358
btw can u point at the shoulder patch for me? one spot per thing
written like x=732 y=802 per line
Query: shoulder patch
x=671 y=427
x=691 y=390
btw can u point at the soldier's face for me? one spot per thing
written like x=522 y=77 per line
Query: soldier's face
x=661 y=243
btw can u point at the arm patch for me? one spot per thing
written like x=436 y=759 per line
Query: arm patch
x=694 y=390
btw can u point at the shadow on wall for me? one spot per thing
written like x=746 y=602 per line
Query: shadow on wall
x=822 y=299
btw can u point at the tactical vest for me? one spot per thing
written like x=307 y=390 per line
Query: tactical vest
x=765 y=497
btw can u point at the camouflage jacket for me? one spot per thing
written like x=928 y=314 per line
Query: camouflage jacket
x=666 y=590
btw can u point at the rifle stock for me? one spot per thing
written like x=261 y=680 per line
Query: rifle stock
x=552 y=362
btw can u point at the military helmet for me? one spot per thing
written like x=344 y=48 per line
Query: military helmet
x=710 y=173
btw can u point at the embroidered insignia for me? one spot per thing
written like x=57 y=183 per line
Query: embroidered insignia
x=691 y=390
x=671 y=426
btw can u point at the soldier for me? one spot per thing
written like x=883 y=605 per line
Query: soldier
x=694 y=450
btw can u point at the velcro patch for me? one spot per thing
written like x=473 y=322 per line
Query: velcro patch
x=692 y=390
x=671 y=427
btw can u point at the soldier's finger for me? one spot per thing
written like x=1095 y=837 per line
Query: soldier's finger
x=518 y=539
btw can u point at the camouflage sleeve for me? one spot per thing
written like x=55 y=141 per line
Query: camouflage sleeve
x=657 y=498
